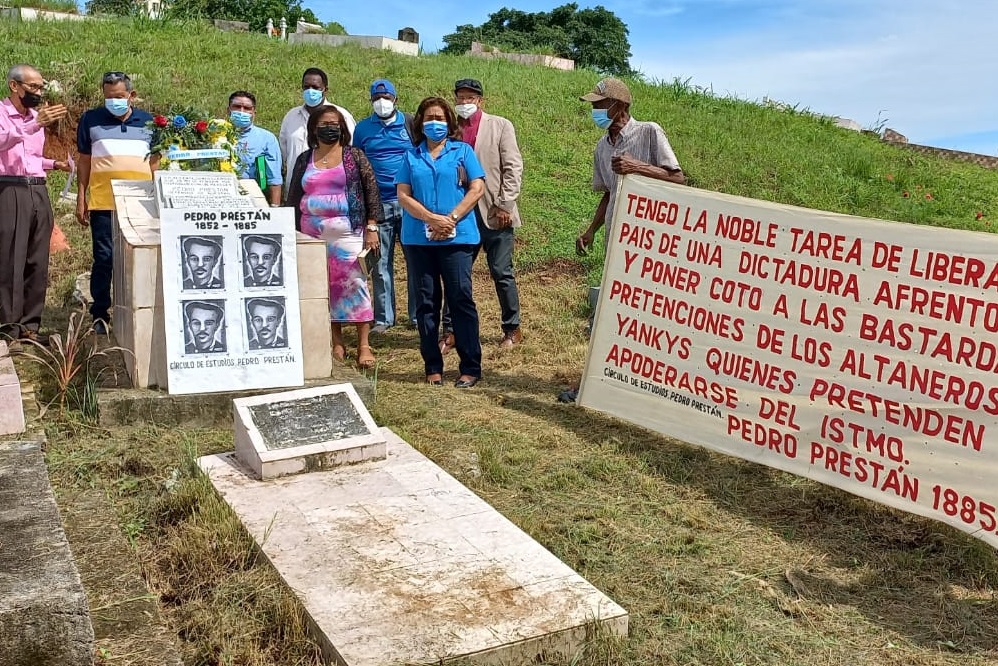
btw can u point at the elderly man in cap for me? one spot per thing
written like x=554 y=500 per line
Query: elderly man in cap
x=494 y=141
x=25 y=211
x=629 y=146
x=385 y=137
x=266 y=319
x=262 y=261
x=204 y=321
x=201 y=254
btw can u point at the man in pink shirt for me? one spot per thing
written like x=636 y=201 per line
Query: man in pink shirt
x=25 y=211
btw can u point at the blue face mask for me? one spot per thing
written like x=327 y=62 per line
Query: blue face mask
x=117 y=107
x=312 y=96
x=435 y=130
x=240 y=119
x=602 y=118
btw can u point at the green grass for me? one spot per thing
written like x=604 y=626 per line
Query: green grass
x=723 y=144
x=719 y=561
x=66 y=6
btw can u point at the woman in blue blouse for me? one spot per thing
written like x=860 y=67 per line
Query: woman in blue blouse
x=439 y=183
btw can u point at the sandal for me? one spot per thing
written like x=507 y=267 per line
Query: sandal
x=365 y=358
x=339 y=352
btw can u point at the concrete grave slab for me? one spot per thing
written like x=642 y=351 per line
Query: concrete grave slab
x=305 y=430
x=11 y=408
x=44 y=618
x=396 y=562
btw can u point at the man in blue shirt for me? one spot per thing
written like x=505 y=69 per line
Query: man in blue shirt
x=258 y=149
x=384 y=137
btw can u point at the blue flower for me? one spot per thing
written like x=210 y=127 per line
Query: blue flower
x=179 y=122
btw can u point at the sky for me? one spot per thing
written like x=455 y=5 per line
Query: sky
x=925 y=69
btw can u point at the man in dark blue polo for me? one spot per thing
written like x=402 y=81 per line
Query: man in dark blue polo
x=384 y=138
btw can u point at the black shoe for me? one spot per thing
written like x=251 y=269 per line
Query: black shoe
x=435 y=382
x=568 y=395
x=100 y=327
x=466 y=383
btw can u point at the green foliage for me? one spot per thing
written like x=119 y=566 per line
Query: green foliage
x=113 y=7
x=254 y=12
x=594 y=38
x=334 y=28
x=67 y=6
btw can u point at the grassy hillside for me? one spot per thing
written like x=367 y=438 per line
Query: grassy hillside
x=719 y=561
x=723 y=144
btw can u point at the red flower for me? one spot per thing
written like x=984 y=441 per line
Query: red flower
x=980 y=214
x=161 y=121
x=201 y=126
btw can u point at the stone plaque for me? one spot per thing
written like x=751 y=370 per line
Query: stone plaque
x=305 y=430
x=199 y=189
x=309 y=420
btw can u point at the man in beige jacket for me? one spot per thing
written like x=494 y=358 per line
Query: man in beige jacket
x=494 y=141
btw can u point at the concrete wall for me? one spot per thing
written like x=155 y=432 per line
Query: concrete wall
x=480 y=51
x=30 y=14
x=364 y=41
x=894 y=138
x=44 y=617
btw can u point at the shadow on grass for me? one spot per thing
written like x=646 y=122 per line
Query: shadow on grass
x=919 y=577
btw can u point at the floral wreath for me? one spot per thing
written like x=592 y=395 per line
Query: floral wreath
x=181 y=135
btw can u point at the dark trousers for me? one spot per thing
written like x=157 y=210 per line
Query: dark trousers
x=102 y=236
x=25 y=232
x=498 y=246
x=440 y=270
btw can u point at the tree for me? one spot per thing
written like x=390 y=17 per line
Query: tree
x=115 y=7
x=593 y=38
x=254 y=12
x=335 y=28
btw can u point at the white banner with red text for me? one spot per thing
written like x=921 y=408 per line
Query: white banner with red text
x=856 y=352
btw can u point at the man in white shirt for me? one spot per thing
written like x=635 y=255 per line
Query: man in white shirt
x=293 y=137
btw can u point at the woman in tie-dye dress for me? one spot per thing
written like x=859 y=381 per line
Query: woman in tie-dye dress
x=335 y=196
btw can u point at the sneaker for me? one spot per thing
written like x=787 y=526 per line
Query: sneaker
x=380 y=329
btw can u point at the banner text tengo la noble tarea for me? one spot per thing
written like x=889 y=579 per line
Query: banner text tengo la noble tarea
x=856 y=352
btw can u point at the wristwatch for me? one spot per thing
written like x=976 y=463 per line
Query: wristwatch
x=371 y=227
x=454 y=217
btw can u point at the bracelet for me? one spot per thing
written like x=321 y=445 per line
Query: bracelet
x=371 y=227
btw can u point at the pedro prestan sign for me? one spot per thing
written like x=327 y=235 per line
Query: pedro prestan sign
x=230 y=293
x=857 y=352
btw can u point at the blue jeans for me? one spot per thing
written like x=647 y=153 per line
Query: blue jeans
x=102 y=235
x=383 y=279
x=431 y=265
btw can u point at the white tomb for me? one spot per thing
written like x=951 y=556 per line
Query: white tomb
x=304 y=431
x=396 y=562
x=137 y=313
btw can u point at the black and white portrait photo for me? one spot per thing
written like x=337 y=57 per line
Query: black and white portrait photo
x=204 y=327
x=262 y=265
x=266 y=325
x=201 y=262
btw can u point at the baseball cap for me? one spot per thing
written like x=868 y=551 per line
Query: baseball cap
x=609 y=88
x=470 y=84
x=383 y=86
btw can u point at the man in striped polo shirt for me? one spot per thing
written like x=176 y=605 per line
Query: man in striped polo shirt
x=113 y=141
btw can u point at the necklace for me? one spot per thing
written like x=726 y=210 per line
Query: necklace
x=325 y=158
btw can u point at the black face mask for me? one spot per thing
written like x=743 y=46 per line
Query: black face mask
x=30 y=100
x=328 y=135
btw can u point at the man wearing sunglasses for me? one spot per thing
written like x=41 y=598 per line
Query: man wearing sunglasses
x=25 y=211
x=113 y=141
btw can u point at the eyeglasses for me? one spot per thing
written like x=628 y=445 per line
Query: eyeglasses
x=110 y=78
x=31 y=87
x=236 y=106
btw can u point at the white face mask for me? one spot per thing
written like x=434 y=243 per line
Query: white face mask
x=383 y=108
x=466 y=110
